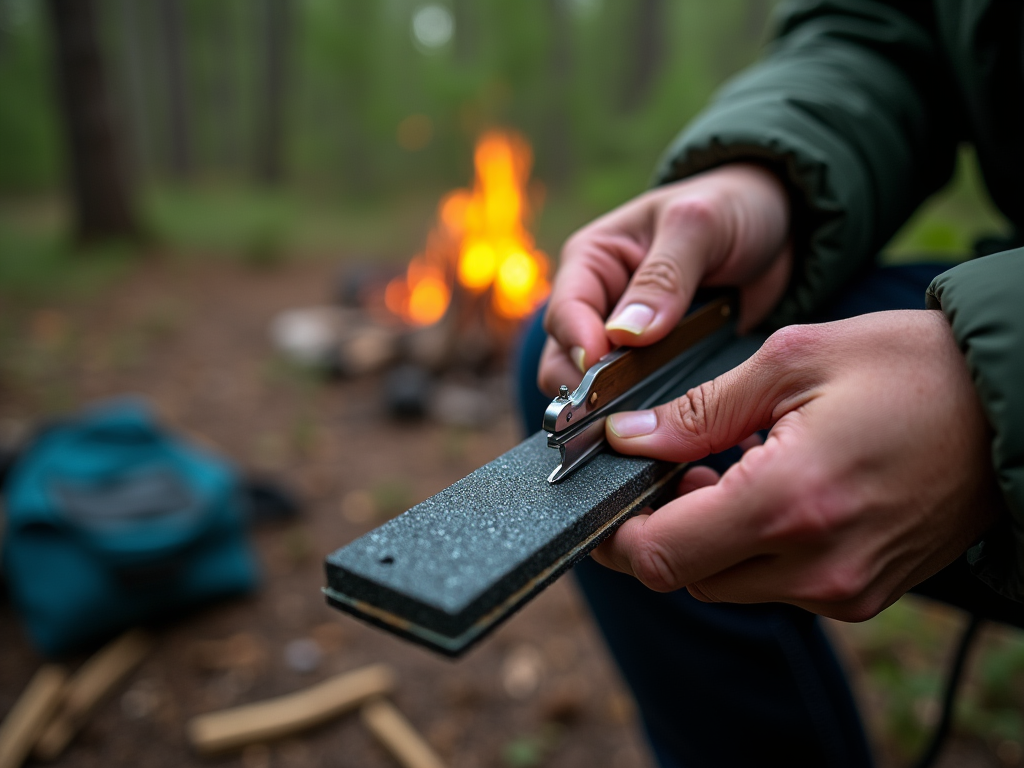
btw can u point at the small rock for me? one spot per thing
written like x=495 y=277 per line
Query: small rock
x=357 y=506
x=366 y=350
x=141 y=700
x=303 y=655
x=309 y=336
x=458 y=405
x=407 y=391
x=522 y=671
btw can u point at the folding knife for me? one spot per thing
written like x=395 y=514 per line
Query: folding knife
x=631 y=378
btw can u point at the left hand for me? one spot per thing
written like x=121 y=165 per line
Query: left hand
x=876 y=474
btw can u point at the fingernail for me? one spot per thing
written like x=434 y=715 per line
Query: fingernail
x=633 y=319
x=579 y=356
x=633 y=423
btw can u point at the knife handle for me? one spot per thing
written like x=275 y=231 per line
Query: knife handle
x=635 y=364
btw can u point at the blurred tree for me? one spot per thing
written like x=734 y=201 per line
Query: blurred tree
x=557 y=138
x=132 y=71
x=315 y=90
x=465 y=31
x=225 y=96
x=102 y=194
x=647 y=52
x=270 y=146
x=172 y=25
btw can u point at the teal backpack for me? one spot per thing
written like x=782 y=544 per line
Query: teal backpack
x=111 y=522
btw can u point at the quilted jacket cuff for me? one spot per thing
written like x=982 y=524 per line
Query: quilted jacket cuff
x=981 y=300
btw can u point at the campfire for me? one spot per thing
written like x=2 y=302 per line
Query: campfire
x=480 y=262
x=445 y=324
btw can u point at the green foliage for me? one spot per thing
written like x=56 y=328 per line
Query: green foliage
x=905 y=652
x=947 y=225
x=557 y=71
x=252 y=221
x=38 y=261
x=531 y=750
x=31 y=156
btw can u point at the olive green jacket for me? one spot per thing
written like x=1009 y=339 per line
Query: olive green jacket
x=860 y=105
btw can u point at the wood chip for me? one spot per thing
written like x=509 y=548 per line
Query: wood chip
x=275 y=718
x=96 y=678
x=398 y=736
x=30 y=714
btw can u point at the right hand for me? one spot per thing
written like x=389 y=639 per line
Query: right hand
x=641 y=264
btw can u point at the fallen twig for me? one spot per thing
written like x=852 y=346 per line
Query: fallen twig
x=284 y=715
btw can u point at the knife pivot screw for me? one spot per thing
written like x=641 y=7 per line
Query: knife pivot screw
x=593 y=398
x=563 y=392
x=568 y=416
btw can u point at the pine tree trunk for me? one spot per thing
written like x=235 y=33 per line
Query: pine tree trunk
x=648 y=52
x=99 y=179
x=270 y=146
x=174 y=42
x=558 y=143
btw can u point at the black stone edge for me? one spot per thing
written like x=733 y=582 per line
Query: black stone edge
x=353 y=586
x=456 y=644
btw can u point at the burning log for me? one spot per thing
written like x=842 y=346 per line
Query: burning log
x=480 y=273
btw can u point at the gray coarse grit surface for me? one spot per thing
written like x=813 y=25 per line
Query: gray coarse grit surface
x=444 y=564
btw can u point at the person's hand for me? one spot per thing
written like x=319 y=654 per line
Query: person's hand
x=876 y=473
x=645 y=259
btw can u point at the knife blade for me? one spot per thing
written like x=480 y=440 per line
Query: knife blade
x=630 y=378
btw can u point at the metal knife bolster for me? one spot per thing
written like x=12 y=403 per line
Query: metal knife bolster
x=629 y=378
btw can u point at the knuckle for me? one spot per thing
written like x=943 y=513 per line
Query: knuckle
x=575 y=243
x=857 y=611
x=790 y=343
x=814 y=510
x=693 y=211
x=841 y=585
x=693 y=412
x=653 y=568
x=659 y=274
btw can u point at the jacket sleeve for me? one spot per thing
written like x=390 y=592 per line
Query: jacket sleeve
x=981 y=300
x=852 y=108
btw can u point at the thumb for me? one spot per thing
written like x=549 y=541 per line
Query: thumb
x=720 y=413
x=664 y=282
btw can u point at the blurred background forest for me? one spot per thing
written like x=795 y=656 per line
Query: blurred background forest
x=274 y=128
x=252 y=127
x=266 y=134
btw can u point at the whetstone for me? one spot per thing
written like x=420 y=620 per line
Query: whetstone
x=453 y=567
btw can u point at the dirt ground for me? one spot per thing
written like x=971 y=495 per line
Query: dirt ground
x=192 y=337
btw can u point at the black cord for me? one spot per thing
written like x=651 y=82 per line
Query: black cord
x=956 y=670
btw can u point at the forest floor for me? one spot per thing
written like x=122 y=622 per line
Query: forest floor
x=191 y=336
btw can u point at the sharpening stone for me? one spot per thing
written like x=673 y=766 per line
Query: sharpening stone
x=448 y=571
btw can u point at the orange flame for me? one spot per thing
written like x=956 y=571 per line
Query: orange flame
x=481 y=242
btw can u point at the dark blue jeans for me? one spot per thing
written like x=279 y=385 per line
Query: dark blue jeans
x=745 y=685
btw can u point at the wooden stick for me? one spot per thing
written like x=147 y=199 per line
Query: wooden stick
x=30 y=714
x=279 y=717
x=88 y=687
x=398 y=736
